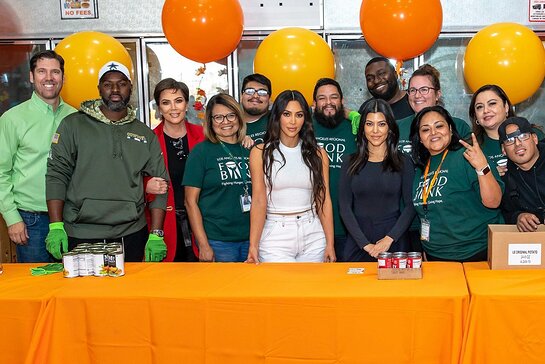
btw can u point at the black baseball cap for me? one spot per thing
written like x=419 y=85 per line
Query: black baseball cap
x=523 y=124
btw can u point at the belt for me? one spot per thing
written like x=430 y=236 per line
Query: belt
x=289 y=213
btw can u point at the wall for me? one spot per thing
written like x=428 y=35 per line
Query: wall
x=41 y=18
x=458 y=15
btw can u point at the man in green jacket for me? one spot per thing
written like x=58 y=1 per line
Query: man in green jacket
x=25 y=139
x=95 y=174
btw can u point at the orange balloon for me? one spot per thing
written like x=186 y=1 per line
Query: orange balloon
x=509 y=55
x=203 y=30
x=294 y=59
x=401 y=29
x=84 y=54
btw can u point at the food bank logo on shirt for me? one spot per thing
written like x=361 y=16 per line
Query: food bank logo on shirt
x=404 y=146
x=231 y=170
x=258 y=137
x=436 y=192
x=335 y=148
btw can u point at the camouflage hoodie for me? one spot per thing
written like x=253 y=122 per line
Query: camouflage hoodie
x=92 y=108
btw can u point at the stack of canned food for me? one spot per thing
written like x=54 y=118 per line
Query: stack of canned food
x=400 y=260
x=97 y=259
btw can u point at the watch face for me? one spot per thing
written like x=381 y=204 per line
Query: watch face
x=159 y=233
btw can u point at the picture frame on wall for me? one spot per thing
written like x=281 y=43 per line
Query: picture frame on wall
x=79 y=9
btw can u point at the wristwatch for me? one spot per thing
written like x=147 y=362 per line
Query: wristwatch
x=158 y=232
x=483 y=171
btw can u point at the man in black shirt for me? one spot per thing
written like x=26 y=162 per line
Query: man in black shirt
x=381 y=79
x=523 y=200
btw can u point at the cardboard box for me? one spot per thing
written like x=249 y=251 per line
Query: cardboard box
x=399 y=273
x=510 y=249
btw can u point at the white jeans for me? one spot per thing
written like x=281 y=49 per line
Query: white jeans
x=292 y=238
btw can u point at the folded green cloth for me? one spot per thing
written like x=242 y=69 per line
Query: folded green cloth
x=47 y=269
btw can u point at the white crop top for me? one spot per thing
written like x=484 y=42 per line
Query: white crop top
x=292 y=187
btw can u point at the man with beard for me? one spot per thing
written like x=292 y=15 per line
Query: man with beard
x=95 y=175
x=381 y=79
x=25 y=139
x=254 y=99
x=523 y=202
x=333 y=133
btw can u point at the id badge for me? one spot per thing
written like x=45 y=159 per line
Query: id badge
x=245 y=202
x=425 y=230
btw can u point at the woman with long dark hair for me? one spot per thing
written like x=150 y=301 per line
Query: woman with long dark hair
x=456 y=194
x=291 y=215
x=374 y=181
x=489 y=108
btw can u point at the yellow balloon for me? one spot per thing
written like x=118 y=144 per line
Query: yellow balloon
x=84 y=54
x=506 y=54
x=294 y=59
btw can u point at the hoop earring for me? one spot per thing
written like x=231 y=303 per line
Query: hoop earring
x=477 y=122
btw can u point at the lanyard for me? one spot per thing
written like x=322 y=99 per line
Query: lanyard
x=243 y=172
x=427 y=187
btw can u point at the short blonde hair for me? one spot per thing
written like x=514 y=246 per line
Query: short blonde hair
x=229 y=102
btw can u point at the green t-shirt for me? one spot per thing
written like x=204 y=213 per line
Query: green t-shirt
x=338 y=143
x=257 y=129
x=492 y=150
x=458 y=219
x=405 y=131
x=210 y=168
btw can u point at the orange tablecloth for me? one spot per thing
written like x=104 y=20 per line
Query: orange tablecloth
x=506 y=316
x=235 y=313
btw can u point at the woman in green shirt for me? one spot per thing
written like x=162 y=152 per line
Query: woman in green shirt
x=218 y=186
x=455 y=193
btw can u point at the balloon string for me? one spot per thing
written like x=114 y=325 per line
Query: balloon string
x=399 y=64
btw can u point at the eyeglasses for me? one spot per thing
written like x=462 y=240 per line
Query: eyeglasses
x=218 y=118
x=423 y=90
x=521 y=137
x=251 y=91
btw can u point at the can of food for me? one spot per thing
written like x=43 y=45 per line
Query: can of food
x=85 y=263
x=399 y=260
x=414 y=260
x=83 y=246
x=385 y=260
x=116 y=247
x=116 y=263
x=70 y=261
x=100 y=265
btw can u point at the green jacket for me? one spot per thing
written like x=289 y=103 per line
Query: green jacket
x=97 y=168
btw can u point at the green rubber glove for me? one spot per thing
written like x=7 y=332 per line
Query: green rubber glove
x=156 y=249
x=56 y=239
x=354 y=118
x=47 y=269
